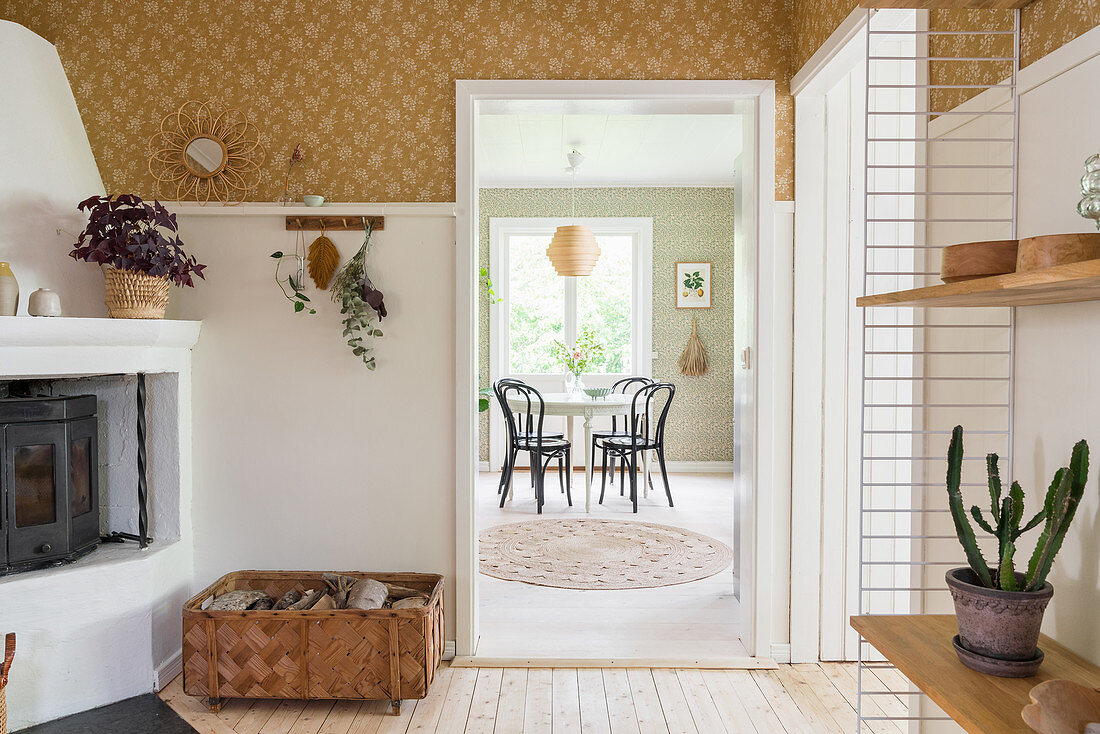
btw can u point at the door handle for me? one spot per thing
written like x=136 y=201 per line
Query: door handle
x=746 y=358
x=45 y=548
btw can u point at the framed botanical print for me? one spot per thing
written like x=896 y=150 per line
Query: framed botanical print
x=692 y=285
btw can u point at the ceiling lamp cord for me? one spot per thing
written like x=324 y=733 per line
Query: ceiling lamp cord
x=573 y=189
x=573 y=250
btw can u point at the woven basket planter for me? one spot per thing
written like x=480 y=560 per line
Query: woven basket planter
x=358 y=654
x=134 y=295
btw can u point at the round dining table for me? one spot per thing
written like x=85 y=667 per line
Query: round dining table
x=581 y=405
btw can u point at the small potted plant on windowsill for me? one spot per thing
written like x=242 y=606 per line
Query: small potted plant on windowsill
x=999 y=610
x=138 y=245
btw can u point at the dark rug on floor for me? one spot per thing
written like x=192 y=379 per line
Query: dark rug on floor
x=138 y=715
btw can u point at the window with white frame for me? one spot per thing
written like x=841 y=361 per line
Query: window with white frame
x=538 y=307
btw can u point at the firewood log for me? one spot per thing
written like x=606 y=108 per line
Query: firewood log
x=236 y=601
x=325 y=602
x=263 y=604
x=367 y=594
x=339 y=586
x=396 y=591
x=410 y=602
x=307 y=601
x=289 y=598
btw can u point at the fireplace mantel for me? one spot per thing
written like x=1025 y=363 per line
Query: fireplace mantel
x=40 y=331
x=44 y=347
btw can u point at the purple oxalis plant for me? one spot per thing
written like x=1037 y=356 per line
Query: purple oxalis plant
x=127 y=233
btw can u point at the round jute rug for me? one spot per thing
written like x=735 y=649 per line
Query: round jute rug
x=586 y=553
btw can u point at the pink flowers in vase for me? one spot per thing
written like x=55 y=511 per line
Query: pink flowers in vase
x=582 y=355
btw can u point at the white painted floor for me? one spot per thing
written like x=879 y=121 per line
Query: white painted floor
x=699 y=620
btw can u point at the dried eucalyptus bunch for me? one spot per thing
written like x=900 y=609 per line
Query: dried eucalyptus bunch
x=351 y=288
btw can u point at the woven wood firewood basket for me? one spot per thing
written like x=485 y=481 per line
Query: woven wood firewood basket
x=5 y=668
x=376 y=654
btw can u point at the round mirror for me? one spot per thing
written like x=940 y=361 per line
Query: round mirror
x=204 y=156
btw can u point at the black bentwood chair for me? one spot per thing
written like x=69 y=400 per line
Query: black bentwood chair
x=525 y=434
x=625 y=385
x=646 y=434
x=510 y=455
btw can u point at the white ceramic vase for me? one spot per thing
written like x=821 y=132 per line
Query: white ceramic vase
x=9 y=291
x=44 y=302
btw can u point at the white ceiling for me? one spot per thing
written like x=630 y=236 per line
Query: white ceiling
x=529 y=148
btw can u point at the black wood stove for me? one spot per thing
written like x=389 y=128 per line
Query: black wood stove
x=49 y=481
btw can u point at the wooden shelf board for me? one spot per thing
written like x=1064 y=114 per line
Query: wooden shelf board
x=919 y=645
x=1061 y=284
x=946 y=4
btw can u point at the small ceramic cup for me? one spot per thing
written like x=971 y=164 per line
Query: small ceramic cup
x=44 y=302
x=313 y=200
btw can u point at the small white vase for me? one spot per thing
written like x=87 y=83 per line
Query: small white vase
x=9 y=291
x=44 y=302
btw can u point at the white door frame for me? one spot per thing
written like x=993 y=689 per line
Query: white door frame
x=762 y=379
x=640 y=230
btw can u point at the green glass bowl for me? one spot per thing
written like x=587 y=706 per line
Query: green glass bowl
x=597 y=392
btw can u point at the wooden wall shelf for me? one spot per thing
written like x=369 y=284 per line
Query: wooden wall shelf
x=1061 y=284
x=946 y=4
x=919 y=645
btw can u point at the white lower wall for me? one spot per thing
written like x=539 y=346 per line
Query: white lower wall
x=1058 y=347
x=303 y=458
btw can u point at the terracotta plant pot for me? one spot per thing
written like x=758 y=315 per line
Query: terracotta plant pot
x=133 y=295
x=995 y=624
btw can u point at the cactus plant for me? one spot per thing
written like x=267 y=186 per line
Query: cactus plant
x=1006 y=515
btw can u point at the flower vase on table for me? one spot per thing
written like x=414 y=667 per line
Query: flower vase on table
x=577 y=359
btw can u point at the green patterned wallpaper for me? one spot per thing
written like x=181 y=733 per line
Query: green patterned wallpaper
x=689 y=224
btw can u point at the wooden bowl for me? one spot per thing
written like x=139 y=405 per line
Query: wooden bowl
x=1061 y=707
x=1049 y=250
x=972 y=260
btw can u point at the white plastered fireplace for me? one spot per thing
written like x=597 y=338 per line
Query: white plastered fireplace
x=107 y=626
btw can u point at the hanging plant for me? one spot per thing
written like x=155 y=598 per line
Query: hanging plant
x=360 y=303
x=296 y=296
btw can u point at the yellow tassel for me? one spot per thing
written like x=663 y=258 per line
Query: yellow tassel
x=323 y=258
x=693 y=362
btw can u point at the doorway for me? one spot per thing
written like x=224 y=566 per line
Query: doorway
x=753 y=212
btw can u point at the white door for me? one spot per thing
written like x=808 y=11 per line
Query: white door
x=539 y=309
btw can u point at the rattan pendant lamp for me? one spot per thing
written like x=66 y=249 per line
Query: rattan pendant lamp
x=573 y=250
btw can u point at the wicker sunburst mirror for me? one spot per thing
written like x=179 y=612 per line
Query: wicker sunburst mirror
x=205 y=153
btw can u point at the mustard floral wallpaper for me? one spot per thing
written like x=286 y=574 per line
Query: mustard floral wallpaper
x=689 y=224
x=367 y=86
x=1046 y=25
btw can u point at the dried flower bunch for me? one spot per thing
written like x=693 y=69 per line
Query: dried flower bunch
x=360 y=302
x=295 y=158
x=127 y=233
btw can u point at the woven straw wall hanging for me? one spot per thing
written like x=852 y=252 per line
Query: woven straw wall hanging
x=693 y=362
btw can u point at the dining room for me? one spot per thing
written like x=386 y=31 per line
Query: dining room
x=606 y=497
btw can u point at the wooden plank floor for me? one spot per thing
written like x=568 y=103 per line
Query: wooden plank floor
x=796 y=699
x=698 y=620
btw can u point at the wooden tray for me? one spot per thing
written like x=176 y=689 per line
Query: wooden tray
x=972 y=260
x=1046 y=251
